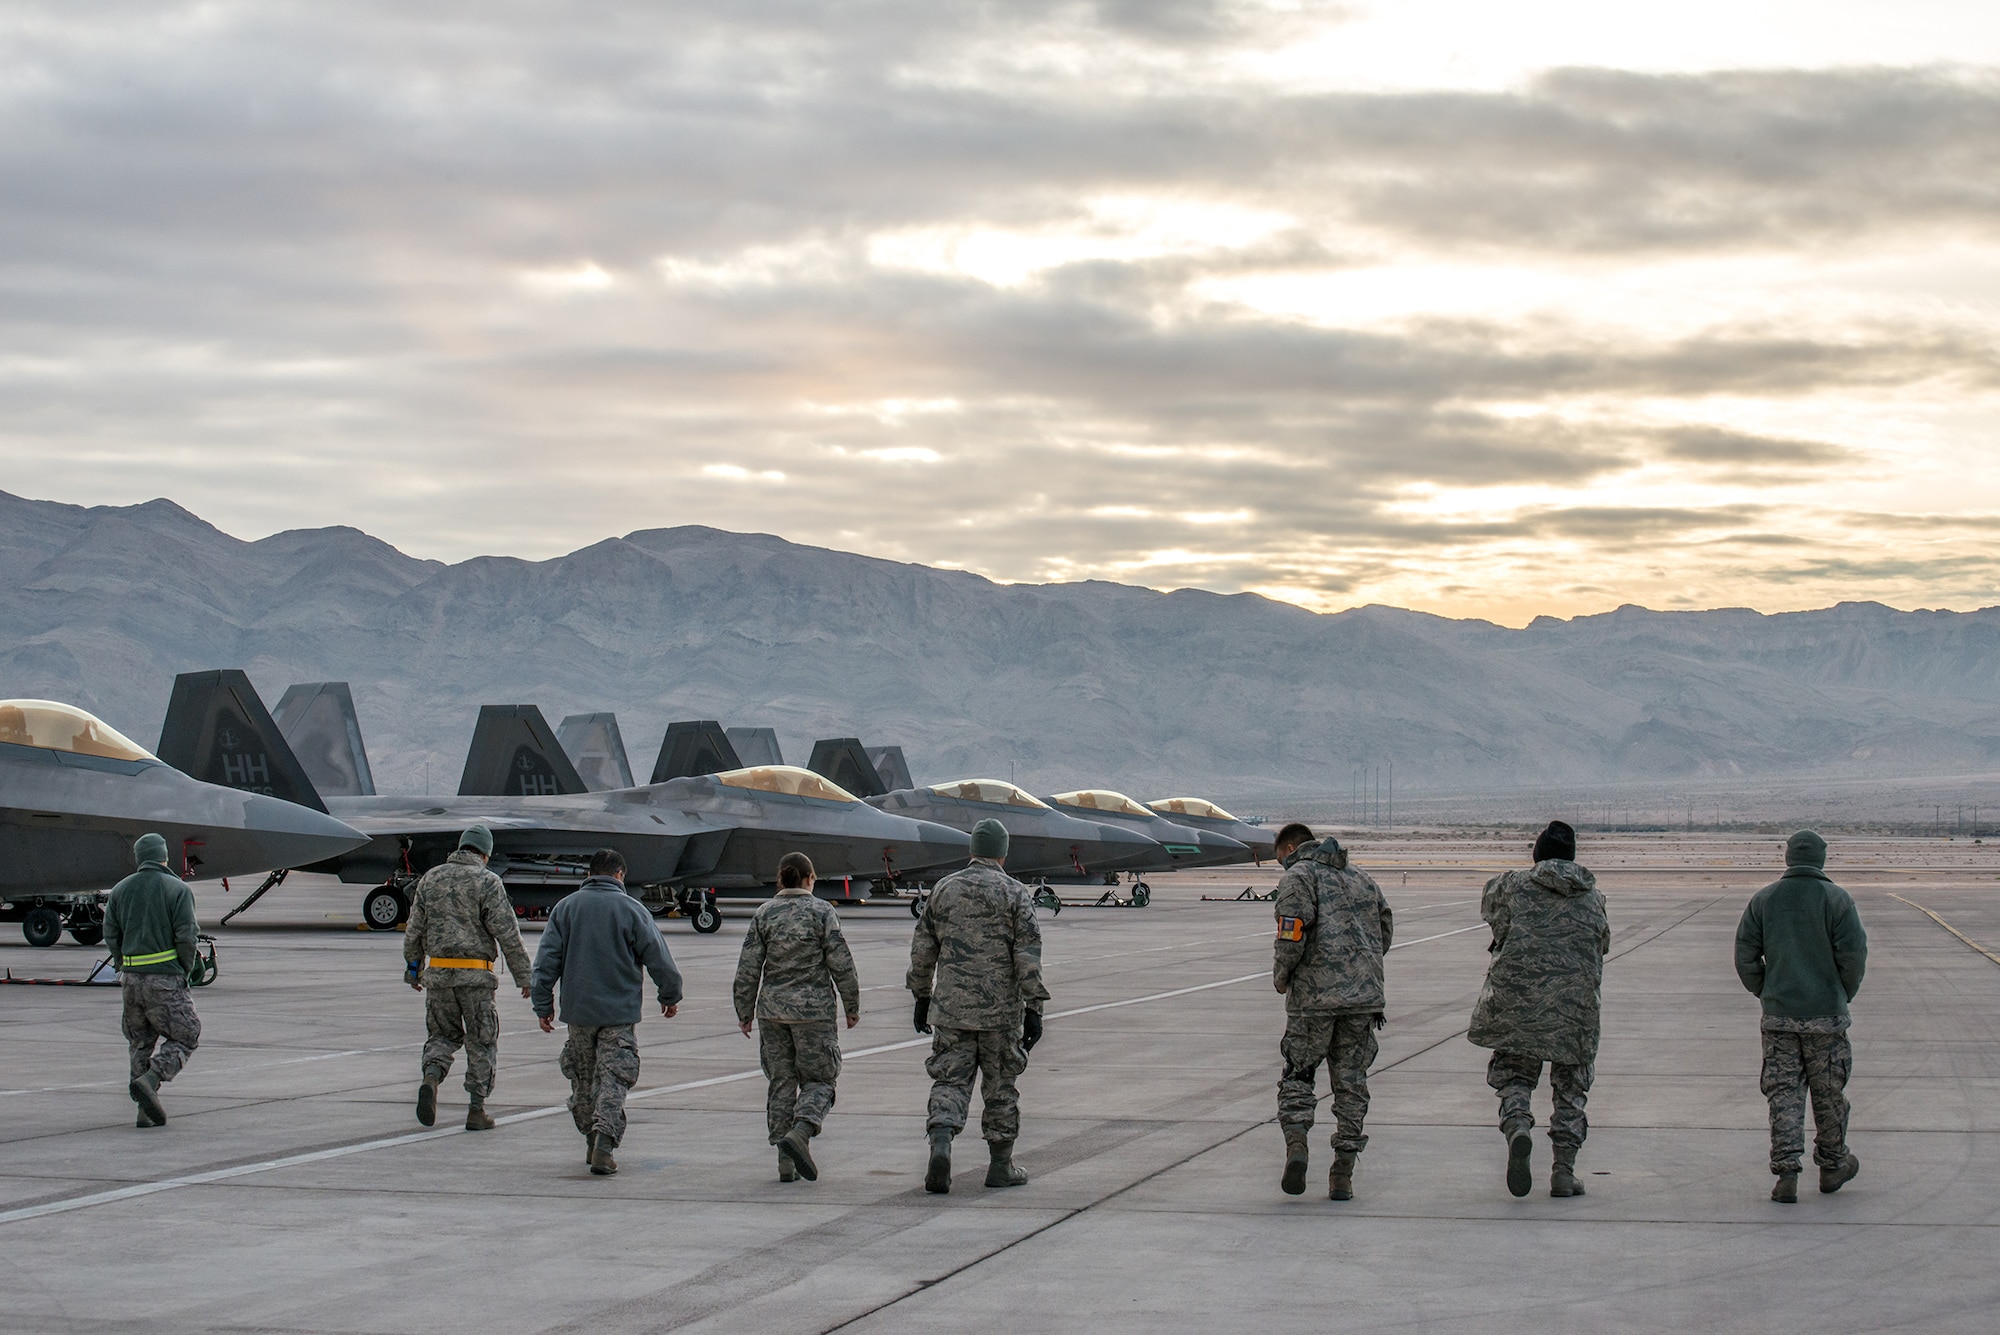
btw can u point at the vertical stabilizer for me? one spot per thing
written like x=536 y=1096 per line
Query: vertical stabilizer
x=891 y=768
x=318 y=721
x=756 y=746
x=691 y=748
x=843 y=760
x=513 y=754
x=597 y=749
x=217 y=730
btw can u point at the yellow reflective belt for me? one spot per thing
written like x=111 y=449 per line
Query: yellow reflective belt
x=461 y=964
x=157 y=957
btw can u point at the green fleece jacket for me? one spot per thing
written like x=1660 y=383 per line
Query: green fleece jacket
x=151 y=913
x=1800 y=948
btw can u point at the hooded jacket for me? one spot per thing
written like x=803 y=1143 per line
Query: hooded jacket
x=150 y=917
x=1800 y=948
x=1544 y=987
x=1333 y=929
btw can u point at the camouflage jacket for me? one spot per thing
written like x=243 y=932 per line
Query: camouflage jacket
x=460 y=911
x=1333 y=927
x=1545 y=984
x=794 y=956
x=977 y=952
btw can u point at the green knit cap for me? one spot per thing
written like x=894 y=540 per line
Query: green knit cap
x=150 y=848
x=989 y=839
x=477 y=838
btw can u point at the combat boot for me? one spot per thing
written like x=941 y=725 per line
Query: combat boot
x=478 y=1119
x=1833 y=1179
x=427 y=1102
x=937 y=1175
x=1563 y=1180
x=795 y=1146
x=1520 y=1174
x=1785 y=1191
x=145 y=1092
x=1002 y=1172
x=1340 y=1177
x=786 y=1173
x=1296 y=1154
x=601 y=1162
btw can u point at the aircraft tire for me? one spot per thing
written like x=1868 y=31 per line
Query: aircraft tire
x=89 y=934
x=42 y=927
x=707 y=918
x=383 y=908
x=1142 y=895
x=917 y=907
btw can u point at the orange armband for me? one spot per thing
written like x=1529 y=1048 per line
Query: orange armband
x=1291 y=929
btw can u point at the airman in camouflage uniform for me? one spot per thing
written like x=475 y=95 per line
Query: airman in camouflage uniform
x=794 y=957
x=1541 y=1000
x=976 y=973
x=151 y=932
x=1333 y=928
x=1801 y=951
x=461 y=919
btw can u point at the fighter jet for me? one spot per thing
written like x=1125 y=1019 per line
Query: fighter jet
x=1043 y=844
x=1180 y=846
x=75 y=794
x=690 y=837
x=1198 y=814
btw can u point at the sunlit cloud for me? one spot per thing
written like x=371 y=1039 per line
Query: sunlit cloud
x=738 y=473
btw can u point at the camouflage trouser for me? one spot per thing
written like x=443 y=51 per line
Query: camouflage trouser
x=801 y=1061
x=1514 y=1076
x=159 y=1009
x=997 y=1058
x=1346 y=1043
x=462 y=1017
x=1795 y=1065
x=601 y=1063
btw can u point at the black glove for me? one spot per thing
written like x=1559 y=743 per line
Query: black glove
x=923 y=1015
x=1031 y=1030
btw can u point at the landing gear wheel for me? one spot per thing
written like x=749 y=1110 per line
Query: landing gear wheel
x=1142 y=895
x=917 y=907
x=42 y=926
x=205 y=967
x=89 y=934
x=384 y=908
x=1047 y=899
x=707 y=917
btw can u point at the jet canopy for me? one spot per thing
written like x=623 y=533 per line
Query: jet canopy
x=789 y=779
x=1098 y=799
x=54 y=726
x=1189 y=806
x=989 y=790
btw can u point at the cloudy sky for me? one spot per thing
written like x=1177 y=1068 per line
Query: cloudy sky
x=1486 y=309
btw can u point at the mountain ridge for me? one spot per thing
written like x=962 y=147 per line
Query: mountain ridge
x=1086 y=683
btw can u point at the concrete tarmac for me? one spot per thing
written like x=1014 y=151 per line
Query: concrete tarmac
x=294 y=1191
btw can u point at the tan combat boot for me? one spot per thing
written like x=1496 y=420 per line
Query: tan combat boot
x=1002 y=1172
x=601 y=1162
x=1296 y=1155
x=477 y=1118
x=795 y=1145
x=1340 y=1177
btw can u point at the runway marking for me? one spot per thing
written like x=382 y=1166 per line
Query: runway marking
x=1947 y=926
x=214 y=1175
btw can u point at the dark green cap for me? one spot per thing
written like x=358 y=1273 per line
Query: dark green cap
x=989 y=839
x=150 y=848
x=477 y=838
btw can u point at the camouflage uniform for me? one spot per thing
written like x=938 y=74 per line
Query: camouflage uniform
x=1333 y=928
x=1802 y=1056
x=977 y=955
x=601 y=1063
x=794 y=957
x=150 y=932
x=1542 y=995
x=159 y=1010
x=460 y=910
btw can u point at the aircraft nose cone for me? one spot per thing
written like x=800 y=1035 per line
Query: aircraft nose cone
x=933 y=846
x=1220 y=848
x=289 y=835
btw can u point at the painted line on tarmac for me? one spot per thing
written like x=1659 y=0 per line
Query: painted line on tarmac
x=1947 y=926
x=214 y=1175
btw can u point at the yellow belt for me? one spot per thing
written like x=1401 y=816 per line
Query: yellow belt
x=141 y=961
x=461 y=964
